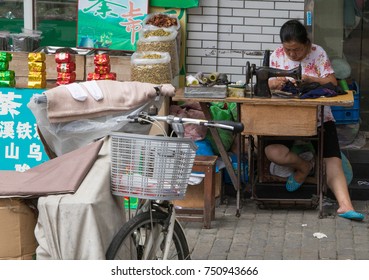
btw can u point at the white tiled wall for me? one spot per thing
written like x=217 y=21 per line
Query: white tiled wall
x=222 y=35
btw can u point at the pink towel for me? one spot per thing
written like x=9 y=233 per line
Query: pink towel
x=117 y=97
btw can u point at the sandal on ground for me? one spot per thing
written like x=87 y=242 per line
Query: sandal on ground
x=352 y=215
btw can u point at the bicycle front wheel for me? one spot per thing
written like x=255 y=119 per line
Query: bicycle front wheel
x=144 y=238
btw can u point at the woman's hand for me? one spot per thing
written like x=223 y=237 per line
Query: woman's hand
x=277 y=83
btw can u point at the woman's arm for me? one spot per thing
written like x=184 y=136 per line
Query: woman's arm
x=331 y=78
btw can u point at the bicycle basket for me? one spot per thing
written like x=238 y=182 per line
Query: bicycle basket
x=150 y=167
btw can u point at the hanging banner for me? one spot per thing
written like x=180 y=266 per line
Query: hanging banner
x=21 y=147
x=175 y=3
x=110 y=25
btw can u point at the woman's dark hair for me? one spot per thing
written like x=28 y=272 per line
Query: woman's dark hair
x=294 y=30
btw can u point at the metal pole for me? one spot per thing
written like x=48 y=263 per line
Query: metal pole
x=28 y=14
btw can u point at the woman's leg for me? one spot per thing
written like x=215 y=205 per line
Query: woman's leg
x=281 y=155
x=336 y=181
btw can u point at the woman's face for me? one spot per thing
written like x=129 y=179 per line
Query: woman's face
x=295 y=51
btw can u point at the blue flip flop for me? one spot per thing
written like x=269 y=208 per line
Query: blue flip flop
x=291 y=184
x=352 y=215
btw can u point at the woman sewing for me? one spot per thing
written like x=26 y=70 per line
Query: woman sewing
x=297 y=49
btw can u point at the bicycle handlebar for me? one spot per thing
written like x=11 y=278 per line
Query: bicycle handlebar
x=236 y=127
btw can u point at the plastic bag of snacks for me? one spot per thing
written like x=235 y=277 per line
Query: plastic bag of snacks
x=65 y=68
x=165 y=20
x=102 y=70
x=36 y=70
x=7 y=77
x=160 y=40
x=151 y=67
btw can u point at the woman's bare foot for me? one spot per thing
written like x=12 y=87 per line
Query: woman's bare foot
x=344 y=209
x=301 y=174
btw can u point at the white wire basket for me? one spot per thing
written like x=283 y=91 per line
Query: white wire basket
x=150 y=167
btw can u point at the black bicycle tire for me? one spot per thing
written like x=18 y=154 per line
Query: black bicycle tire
x=141 y=219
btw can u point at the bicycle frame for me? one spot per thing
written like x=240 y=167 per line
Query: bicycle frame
x=155 y=239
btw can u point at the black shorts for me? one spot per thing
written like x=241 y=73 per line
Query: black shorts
x=331 y=147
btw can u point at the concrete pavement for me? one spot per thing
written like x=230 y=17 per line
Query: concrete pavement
x=277 y=234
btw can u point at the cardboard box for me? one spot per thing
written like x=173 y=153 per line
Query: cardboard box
x=18 y=222
x=195 y=193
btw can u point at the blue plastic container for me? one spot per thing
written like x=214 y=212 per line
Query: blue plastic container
x=348 y=115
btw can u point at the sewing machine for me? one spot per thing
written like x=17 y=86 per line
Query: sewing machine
x=263 y=73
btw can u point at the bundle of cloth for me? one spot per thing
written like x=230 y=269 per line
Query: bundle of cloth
x=93 y=99
x=71 y=116
x=312 y=90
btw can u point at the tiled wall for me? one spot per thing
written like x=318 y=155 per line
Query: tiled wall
x=222 y=35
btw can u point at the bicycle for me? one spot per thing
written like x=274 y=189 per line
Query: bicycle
x=156 y=170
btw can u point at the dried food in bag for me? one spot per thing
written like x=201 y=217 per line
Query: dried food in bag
x=160 y=40
x=161 y=20
x=151 y=67
x=165 y=20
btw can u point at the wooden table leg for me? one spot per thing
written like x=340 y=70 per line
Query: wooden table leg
x=209 y=196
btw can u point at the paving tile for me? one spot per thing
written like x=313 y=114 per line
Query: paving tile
x=277 y=234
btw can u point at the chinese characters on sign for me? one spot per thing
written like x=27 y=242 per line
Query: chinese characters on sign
x=21 y=147
x=113 y=24
x=132 y=25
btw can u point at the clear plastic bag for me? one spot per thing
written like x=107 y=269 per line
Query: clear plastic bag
x=65 y=137
x=151 y=67
x=156 y=39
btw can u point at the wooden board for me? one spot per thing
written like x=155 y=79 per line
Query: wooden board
x=346 y=100
x=280 y=120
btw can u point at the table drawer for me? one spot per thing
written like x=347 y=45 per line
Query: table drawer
x=279 y=120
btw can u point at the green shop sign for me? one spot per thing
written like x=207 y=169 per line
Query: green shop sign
x=175 y=3
x=113 y=24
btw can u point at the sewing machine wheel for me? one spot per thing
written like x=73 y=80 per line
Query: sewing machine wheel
x=248 y=73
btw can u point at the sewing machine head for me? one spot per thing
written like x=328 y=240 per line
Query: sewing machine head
x=263 y=74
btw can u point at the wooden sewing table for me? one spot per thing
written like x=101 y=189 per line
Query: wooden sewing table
x=285 y=117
